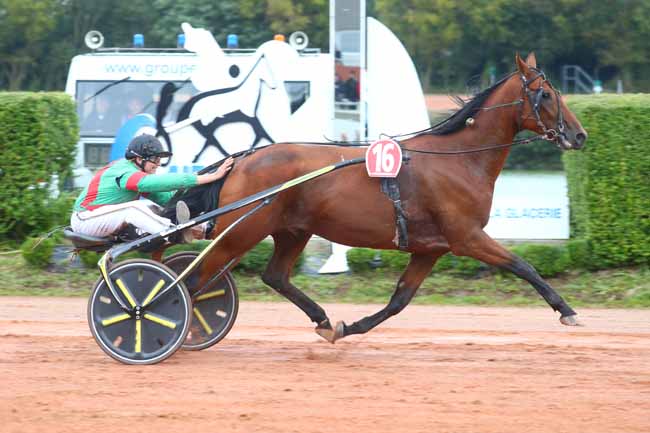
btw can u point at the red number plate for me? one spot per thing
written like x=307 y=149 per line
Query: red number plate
x=383 y=158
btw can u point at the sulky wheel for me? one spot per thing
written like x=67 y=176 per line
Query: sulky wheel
x=154 y=323
x=213 y=311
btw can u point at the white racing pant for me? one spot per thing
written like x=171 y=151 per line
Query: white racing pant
x=110 y=219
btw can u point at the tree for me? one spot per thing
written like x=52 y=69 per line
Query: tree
x=24 y=28
x=429 y=31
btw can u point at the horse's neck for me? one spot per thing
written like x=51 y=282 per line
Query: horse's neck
x=492 y=128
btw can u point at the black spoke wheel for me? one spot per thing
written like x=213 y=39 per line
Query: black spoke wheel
x=213 y=311
x=156 y=321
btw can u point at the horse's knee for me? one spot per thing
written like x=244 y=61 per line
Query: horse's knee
x=274 y=280
x=399 y=301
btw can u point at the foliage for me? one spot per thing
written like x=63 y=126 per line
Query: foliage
x=394 y=260
x=255 y=261
x=579 y=252
x=620 y=288
x=24 y=30
x=548 y=260
x=89 y=259
x=608 y=180
x=450 y=41
x=361 y=259
x=467 y=266
x=59 y=209
x=539 y=155
x=37 y=251
x=38 y=135
x=254 y=22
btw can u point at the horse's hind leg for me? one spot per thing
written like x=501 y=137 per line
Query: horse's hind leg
x=288 y=247
x=482 y=247
x=416 y=271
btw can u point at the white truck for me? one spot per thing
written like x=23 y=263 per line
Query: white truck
x=204 y=102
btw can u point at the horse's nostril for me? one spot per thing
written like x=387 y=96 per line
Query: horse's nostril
x=581 y=138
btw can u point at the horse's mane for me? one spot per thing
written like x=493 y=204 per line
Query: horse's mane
x=199 y=199
x=469 y=109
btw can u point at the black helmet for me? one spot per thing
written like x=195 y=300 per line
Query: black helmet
x=145 y=146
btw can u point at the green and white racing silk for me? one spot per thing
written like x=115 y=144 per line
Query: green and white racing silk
x=122 y=181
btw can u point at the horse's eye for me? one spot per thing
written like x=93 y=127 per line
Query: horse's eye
x=234 y=71
x=546 y=95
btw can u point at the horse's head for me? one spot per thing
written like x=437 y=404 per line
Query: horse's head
x=543 y=109
x=201 y=41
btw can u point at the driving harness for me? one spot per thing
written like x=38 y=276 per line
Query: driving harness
x=390 y=187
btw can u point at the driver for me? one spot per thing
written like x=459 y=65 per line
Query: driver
x=128 y=191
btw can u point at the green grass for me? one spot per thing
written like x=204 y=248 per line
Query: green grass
x=627 y=288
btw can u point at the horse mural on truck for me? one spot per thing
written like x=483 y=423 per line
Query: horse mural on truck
x=237 y=102
x=235 y=108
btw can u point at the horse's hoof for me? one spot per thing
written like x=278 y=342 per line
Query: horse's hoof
x=330 y=334
x=327 y=334
x=570 y=320
x=339 y=330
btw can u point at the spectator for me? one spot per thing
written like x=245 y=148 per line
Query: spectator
x=100 y=119
x=352 y=87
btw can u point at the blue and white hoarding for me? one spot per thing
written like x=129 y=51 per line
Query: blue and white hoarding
x=530 y=206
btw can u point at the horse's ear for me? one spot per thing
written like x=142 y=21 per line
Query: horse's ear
x=521 y=65
x=531 y=60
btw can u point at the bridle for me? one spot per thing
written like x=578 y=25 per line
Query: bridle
x=535 y=97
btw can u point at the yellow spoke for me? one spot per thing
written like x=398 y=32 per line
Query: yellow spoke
x=209 y=295
x=153 y=292
x=126 y=292
x=159 y=320
x=115 y=319
x=138 y=336
x=205 y=325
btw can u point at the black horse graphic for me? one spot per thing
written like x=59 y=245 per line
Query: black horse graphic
x=208 y=131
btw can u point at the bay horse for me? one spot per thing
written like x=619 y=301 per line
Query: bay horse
x=446 y=191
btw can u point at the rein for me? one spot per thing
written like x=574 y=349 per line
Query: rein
x=534 y=98
x=480 y=149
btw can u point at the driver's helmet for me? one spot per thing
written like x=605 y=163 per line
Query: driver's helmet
x=146 y=147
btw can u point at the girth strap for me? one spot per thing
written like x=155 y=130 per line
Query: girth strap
x=390 y=187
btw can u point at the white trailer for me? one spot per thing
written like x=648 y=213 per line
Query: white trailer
x=222 y=101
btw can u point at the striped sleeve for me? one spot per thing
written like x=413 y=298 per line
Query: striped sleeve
x=134 y=179
x=143 y=182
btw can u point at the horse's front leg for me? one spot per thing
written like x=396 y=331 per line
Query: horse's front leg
x=482 y=247
x=418 y=268
x=288 y=247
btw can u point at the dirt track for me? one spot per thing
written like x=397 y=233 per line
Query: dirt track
x=431 y=369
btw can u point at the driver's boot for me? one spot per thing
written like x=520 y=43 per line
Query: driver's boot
x=183 y=216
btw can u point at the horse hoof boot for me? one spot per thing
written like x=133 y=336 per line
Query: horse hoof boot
x=324 y=329
x=570 y=320
x=339 y=330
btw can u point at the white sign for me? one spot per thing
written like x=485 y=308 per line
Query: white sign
x=530 y=206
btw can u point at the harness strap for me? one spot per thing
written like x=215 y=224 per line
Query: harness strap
x=390 y=187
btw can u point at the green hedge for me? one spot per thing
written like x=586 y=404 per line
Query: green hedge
x=255 y=260
x=549 y=260
x=37 y=251
x=38 y=136
x=609 y=188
